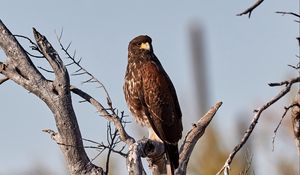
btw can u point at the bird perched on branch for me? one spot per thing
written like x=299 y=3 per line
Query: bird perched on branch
x=151 y=97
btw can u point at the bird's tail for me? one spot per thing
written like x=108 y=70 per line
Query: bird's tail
x=173 y=156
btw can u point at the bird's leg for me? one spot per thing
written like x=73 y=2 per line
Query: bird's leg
x=153 y=136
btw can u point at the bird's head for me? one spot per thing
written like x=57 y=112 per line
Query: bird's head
x=140 y=45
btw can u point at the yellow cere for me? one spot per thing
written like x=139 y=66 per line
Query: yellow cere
x=145 y=46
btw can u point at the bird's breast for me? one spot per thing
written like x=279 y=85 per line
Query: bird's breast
x=133 y=94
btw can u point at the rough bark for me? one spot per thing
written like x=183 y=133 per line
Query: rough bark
x=56 y=94
x=192 y=138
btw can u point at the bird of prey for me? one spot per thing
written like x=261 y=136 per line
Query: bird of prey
x=151 y=97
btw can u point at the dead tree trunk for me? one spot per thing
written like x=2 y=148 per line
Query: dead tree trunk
x=56 y=94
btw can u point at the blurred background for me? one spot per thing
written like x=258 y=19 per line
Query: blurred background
x=209 y=53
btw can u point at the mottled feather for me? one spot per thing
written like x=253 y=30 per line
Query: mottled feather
x=151 y=96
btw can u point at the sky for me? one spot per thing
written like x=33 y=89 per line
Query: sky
x=243 y=56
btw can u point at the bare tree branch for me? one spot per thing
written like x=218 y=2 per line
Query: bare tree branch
x=33 y=47
x=81 y=69
x=18 y=66
x=256 y=117
x=141 y=149
x=279 y=84
x=102 y=146
x=134 y=161
x=104 y=113
x=193 y=136
x=288 y=13
x=54 y=136
x=250 y=9
x=295 y=67
x=56 y=94
x=112 y=141
x=61 y=73
x=61 y=105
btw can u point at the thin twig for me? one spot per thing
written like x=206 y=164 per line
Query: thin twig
x=54 y=135
x=279 y=84
x=33 y=43
x=250 y=9
x=111 y=146
x=80 y=73
x=288 y=13
x=256 y=117
x=91 y=141
x=101 y=146
x=294 y=67
x=77 y=63
x=104 y=113
x=34 y=47
x=60 y=35
x=94 y=158
x=46 y=70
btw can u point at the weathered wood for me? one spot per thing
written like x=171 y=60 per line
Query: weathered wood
x=56 y=94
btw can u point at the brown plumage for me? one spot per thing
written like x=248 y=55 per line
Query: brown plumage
x=152 y=98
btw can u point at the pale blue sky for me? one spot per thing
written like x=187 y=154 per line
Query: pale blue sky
x=243 y=56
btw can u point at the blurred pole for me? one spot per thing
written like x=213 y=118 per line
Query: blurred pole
x=212 y=152
x=200 y=67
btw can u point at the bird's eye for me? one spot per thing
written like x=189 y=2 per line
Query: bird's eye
x=139 y=44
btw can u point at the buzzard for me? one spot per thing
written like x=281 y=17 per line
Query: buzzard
x=151 y=97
